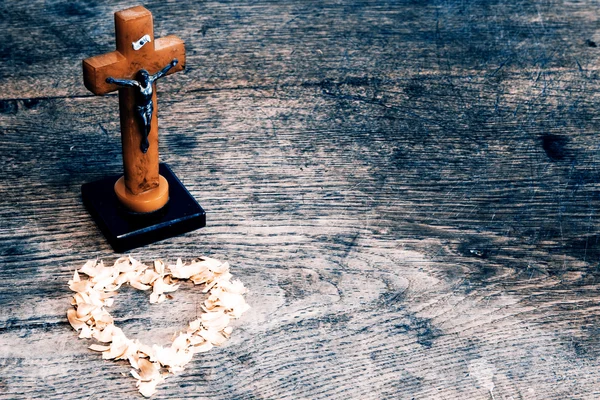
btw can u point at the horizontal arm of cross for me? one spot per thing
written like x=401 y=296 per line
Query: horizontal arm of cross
x=96 y=69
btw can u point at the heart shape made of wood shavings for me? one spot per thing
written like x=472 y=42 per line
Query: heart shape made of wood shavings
x=151 y=364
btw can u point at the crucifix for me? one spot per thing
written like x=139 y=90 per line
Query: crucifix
x=138 y=54
x=133 y=69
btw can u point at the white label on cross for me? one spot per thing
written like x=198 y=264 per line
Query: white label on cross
x=140 y=43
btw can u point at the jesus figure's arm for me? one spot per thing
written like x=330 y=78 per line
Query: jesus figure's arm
x=123 y=82
x=164 y=71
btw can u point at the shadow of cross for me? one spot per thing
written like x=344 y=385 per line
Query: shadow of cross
x=136 y=50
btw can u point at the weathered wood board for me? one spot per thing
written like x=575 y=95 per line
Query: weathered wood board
x=409 y=189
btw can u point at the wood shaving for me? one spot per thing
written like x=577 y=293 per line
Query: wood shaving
x=152 y=364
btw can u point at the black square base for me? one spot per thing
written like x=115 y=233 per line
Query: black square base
x=125 y=230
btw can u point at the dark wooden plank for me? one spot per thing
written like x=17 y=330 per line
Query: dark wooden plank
x=408 y=189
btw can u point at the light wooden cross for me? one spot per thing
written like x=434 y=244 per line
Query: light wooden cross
x=141 y=189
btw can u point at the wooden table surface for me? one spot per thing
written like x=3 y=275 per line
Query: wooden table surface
x=409 y=190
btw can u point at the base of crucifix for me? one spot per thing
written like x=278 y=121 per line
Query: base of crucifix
x=126 y=230
x=149 y=201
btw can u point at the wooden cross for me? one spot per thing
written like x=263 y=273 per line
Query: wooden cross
x=141 y=189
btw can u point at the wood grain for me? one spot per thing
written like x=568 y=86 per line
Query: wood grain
x=409 y=190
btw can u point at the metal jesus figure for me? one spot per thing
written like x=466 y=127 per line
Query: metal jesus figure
x=144 y=83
